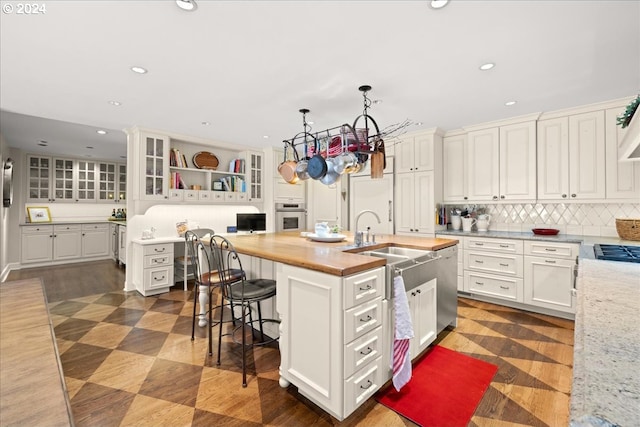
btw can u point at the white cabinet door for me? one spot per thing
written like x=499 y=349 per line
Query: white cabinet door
x=587 y=156
x=39 y=179
x=375 y=195
x=549 y=283
x=518 y=162
x=325 y=203
x=622 y=178
x=455 y=170
x=63 y=180
x=553 y=159
x=95 y=240
x=37 y=244
x=255 y=175
x=414 y=202
x=483 y=168
x=423 y=309
x=67 y=242
x=86 y=181
x=415 y=153
x=154 y=166
x=405 y=202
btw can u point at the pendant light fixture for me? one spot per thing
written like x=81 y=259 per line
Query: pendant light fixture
x=187 y=5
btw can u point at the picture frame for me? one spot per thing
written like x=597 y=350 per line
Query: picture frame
x=39 y=214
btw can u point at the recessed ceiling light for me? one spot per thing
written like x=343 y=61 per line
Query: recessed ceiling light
x=89 y=147
x=419 y=123
x=101 y=132
x=510 y=103
x=438 y=4
x=115 y=103
x=265 y=136
x=205 y=123
x=377 y=101
x=188 y=5
x=139 y=70
x=487 y=66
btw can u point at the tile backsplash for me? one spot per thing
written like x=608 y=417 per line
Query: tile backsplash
x=596 y=219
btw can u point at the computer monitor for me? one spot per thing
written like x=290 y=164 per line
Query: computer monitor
x=251 y=222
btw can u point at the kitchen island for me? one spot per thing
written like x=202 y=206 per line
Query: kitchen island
x=606 y=367
x=335 y=326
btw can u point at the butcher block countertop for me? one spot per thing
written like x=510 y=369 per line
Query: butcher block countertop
x=338 y=259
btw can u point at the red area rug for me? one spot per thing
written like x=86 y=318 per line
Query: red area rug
x=444 y=390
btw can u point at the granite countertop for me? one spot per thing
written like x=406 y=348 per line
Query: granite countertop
x=559 y=238
x=606 y=366
x=80 y=221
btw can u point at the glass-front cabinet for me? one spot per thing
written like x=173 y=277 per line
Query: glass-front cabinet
x=63 y=180
x=122 y=182
x=112 y=182
x=155 y=162
x=255 y=175
x=86 y=191
x=39 y=186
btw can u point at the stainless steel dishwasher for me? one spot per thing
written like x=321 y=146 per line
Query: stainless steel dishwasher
x=447 y=286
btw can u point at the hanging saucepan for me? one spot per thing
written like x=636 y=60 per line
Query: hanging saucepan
x=287 y=169
x=302 y=167
x=317 y=166
x=332 y=176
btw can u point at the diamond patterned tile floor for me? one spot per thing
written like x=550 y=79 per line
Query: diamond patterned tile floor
x=129 y=361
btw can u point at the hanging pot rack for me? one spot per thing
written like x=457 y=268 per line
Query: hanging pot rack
x=339 y=139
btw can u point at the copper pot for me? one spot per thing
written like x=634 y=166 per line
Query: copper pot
x=287 y=169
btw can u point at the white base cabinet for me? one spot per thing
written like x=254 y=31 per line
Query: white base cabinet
x=330 y=333
x=154 y=275
x=423 y=309
x=53 y=244
x=549 y=275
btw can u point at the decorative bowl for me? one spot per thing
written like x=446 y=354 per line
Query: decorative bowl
x=545 y=231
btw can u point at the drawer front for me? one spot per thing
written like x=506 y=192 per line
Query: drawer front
x=204 y=195
x=40 y=229
x=360 y=352
x=191 y=195
x=488 y=262
x=551 y=249
x=494 y=286
x=361 y=319
x=496 y=245
x=157 y=260
x=158 y=277
x=241 y=197
x=363 y=287
x=175 y=195
x=230 y=196
x=218 y=196
x=67 y=227
x=362 y=385
x=93 y=227
x=166 y=248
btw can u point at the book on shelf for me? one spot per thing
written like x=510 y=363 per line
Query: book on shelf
x=236 y=166
x=177 y=159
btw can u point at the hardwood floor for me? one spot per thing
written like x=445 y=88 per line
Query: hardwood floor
x=129 y=360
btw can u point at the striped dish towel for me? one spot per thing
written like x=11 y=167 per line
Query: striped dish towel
x=403 y=332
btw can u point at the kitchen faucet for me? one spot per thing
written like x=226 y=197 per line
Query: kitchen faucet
x=358 y=234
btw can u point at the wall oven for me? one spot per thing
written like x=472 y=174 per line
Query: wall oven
x=291 y=217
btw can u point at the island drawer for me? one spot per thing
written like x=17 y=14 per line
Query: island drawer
x=362 y=319
x=165 y=248
x=362 y=385
x=551 y=249
x=361 y=351
x=362 y=287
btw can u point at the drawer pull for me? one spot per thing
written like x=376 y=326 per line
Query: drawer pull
x=156 y=279
x=479 y=244
x=504 y=265
x=504 y=246
x=159 y=250
x=549 y=249
x=368 y=287
x=364 y=353
x=368 y=319
x=479 y=262
x=548 y=261
x=480 y=283
x=504 y=287
x=369 y=384
x=159 y=260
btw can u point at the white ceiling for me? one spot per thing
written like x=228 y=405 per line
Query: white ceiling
x=247 y=67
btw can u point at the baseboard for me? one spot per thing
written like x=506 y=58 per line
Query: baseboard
x=7 y=269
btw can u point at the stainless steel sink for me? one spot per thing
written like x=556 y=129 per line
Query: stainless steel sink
x=405 y=252
x=391 y=258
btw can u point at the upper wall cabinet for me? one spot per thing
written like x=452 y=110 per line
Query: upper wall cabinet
x=454 y=150
x=154 y=166
x=415 y=153
x=622 y=177
x=53 y=179
x=571 y=157
x=501 y=163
